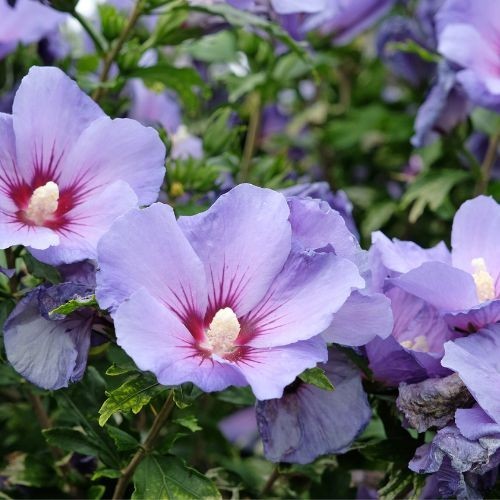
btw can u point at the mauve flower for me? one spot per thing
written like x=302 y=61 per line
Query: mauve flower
x=345 y=19
x=308 y=422
x=469 y=35
x=67 y=170
x=26 y=22
x=225 y=297
x=49 y=350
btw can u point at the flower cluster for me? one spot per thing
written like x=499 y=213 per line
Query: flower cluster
x=167 y=218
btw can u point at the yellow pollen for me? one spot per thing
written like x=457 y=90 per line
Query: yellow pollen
x=417 y=344
x=223 y=331
x=485 y=286
x=43 y=203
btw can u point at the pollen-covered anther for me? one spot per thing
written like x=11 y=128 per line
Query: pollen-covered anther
x=485 y=286
x=223 y=331
x=43 y=203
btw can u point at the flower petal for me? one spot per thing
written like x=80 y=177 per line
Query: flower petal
x=145 y=248
x=476 y=234
x=110 y=150
x=50 y=112
x=475 y=359
x=444 y=287
x=50 y=354
x=361 y=319
x=87 y=223
x=302 y=300
x=243 y=241
x=308 y=422
x=264 y=368
x=157 y=341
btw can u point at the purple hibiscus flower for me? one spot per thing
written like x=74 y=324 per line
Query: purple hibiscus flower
x=469 y=35
x=25 y=22
x=308 y=422
x=473 y=273
x=230 y=295
x=67 y=170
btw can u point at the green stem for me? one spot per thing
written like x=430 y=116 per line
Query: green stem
x=146 y=448
x=115 y=49
x=99 y=42
x=251 y=138
x=488 y=162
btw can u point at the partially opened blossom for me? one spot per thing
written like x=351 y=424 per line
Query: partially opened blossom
x=226 y=297
x=469 y=35
x=308 y=422
x=67 y=170
x=25 y=22
x=49 y=350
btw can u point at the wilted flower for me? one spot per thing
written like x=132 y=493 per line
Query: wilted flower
x=226 y=297
x=67 y=170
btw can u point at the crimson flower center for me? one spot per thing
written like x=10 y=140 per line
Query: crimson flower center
x=223 y=331
x=43 y=203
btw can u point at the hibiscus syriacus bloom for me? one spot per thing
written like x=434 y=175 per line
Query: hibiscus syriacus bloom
x=469 y=35
x=25 y=22
x=67 y=170
x=225 y=297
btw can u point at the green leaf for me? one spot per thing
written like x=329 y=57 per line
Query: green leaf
x=378 y=214
x=69 y=439
x=486 y=121
x=123 y=440
x=183 y=80
x=41 y=270
x=109 y=473
x=96 y=492
x=242 y=19
x=219 y=47
x=431 y=189
x=189 y=422
x=168 y=477
x=75 y=304
x=114 y=370
x=316 y=376
x=132 y=395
